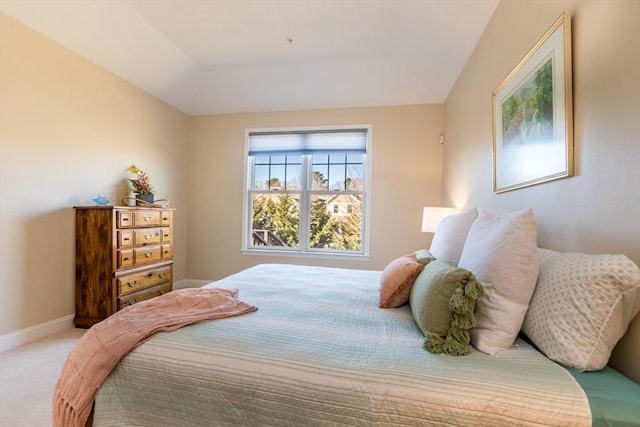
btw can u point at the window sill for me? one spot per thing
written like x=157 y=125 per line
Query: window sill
x=316 y=255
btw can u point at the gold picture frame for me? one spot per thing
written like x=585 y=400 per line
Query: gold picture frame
x=533 y=114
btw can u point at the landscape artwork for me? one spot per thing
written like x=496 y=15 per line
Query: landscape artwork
x=533 y=115
x=527 y=114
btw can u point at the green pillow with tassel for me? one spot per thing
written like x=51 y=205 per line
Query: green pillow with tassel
x=443 y=300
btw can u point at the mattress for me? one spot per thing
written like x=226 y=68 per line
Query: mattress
x=319 y=351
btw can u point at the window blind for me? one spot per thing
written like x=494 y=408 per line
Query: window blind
x=308 y=142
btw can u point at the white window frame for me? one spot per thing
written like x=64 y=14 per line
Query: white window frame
x=363 y=255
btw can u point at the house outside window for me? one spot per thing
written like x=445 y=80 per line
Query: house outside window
x=307 y=191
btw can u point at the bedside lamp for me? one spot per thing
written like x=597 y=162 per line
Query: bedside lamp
x=431 y=217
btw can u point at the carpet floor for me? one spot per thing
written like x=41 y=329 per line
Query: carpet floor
x=28 y=376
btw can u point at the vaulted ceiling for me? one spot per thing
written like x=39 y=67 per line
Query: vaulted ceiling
x=221 y=56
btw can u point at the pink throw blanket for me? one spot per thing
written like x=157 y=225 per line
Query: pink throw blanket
x=105 y=343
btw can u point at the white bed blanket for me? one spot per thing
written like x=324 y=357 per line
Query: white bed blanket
x=319 y=351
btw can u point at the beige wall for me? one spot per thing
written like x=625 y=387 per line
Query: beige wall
x=597 y=210
x=406 y=175
x=68 y=131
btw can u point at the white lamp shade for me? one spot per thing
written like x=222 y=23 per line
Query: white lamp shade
x=432 y=216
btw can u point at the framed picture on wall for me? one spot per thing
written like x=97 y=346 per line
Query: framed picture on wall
x=533 y=114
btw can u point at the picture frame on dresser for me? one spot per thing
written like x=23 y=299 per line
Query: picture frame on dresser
x=124 y=255
x=533 y=114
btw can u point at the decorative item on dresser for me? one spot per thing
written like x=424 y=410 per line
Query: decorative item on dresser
x=124 y=255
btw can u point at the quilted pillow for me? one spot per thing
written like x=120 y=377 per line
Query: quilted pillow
x=582 y=306
x=502 y=253
x=397 y=279
x=450 y=236
x=442 y=301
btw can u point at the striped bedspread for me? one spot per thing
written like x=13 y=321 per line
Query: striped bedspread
x=319 y=351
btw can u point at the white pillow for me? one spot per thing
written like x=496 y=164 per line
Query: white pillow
x=582 y=306
x=501 y=252
x=450 y=236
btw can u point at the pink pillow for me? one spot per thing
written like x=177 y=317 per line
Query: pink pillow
x=397 y=279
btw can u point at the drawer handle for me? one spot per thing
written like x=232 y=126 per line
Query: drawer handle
x=147 y=218
x=148 y=254
x=126 y=239
x=133 y=301
x=148 y=236
x=132 y=284
x=162 y=275
x=125 y=259
x=125 y=219
x=162 y=292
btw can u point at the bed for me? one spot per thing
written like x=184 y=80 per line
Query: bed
x=533 y=329
x=319 y=351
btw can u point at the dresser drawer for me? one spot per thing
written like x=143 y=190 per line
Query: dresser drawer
x=147 y=236
x=166 y=218
x=125 y=258
x=167 y=235
x=133 y=298
x=147 y=218
x=124 y=219
x=167 y=252
x=147 y=255
x=125 y=238
x=139 y=281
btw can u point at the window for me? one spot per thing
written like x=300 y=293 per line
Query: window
x=307 y=191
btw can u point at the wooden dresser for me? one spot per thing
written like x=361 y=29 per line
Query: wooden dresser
x=124 y=255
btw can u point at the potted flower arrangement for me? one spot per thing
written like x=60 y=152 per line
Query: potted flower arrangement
x=141 y=186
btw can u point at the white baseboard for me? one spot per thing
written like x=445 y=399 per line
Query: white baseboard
x=190 y=283
x=24 y=336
